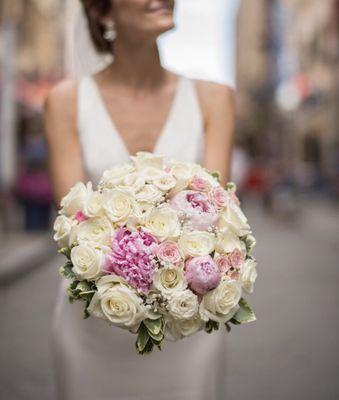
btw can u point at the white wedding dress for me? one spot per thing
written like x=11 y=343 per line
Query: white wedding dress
x=95 y=361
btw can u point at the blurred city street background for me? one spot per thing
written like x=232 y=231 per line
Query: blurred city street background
x=285 y=164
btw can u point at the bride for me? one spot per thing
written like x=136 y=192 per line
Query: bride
x=133 y=105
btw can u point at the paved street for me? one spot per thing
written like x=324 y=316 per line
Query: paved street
x=290 y=353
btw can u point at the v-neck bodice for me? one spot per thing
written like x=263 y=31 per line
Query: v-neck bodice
x=103 y=146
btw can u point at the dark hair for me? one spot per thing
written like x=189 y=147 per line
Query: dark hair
x=94 y=9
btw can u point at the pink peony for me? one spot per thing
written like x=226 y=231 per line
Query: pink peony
x=132 y=257
x=202 y=274
x=80 y=216
x=168 y=251
x=219 y=197
x=196 y=208
x=199 y=184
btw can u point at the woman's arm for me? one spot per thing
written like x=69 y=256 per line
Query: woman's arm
x=218 y=106
x=65 y=158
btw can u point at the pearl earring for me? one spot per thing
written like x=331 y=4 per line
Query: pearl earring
x=110 y=32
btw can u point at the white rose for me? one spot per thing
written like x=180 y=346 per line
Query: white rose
x=176 y=329
x=75 y=199
x=183 y=170
x=133 y=181
x=120 y=305
x=235 y=219
x=169 y=280
x=162 y=222
x=149 y=194
x=115 y=176
x=165 y=182
x=183 y=173
x=87 y=261
x=183 y=305
x=98 y=230
x=151 y=173
x=227 y=241
x=196 y=243
x=63 y=227
x=221 y=303
x=249 y=275
x=118 y=205
x=146 y=159
x=93 y=206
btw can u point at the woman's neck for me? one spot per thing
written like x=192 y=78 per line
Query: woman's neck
x=137 y=64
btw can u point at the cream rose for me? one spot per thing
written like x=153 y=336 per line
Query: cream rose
x=176 y=329
x=143 y=160
x=151 y=173
x=183 y=305
x=118 y=205
x=93 y=206
x=249 y=275
x=196 y=243
x=235 y=219
x=87 y=261
x=75 y=199
x=183 y=172
x=165 y=182
x=63 y=227
x=149 y=194
x=115 y=176
x=163 y=223
x=119 y=305
x=227 y=241
x=98 y=230
x=169 y=280
x=221 y=303
x=133 y=182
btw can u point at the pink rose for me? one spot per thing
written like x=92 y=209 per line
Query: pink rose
x=80 y=216
x=236 y=258
x=168 y=251
x=196 y=209
x=219 y=197
x=223 y=264
x=199 y=184
x=132 y=258
x=202 y=274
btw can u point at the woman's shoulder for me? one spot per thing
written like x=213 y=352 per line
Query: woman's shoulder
x=61 y=101
x=60 y=107
x=213 y=96
x=63 y=93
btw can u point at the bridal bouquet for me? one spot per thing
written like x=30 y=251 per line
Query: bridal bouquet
x=159 y=248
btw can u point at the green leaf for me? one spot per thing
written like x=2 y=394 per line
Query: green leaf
x=245 y=313
x=156 y=338
x=216 y=175
x=231 y=186
x=67 y=271
x=66 y=251
x=228 y=327
x=142 y=339
x=154 y=326
x=211 y=326
x=148 y=348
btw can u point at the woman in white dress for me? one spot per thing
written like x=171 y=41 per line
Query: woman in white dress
x=133 y=105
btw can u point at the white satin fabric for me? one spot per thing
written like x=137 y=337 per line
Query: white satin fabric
x=95 y=361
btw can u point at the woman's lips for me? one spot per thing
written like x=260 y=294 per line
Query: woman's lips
x=162 y=8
